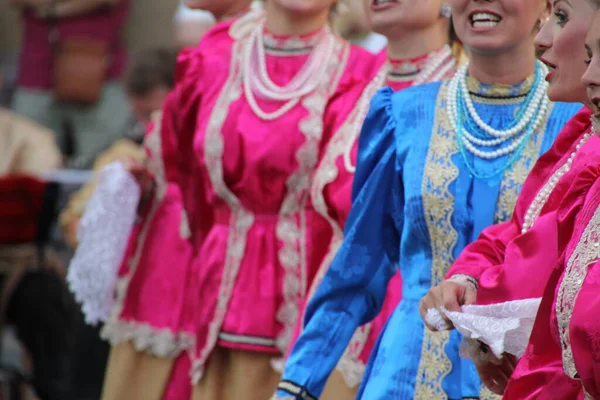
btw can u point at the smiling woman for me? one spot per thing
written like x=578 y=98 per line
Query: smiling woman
x=564 y=349
x=543 y=233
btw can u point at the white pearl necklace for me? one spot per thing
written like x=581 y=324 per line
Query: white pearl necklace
x=540 y=102
x=256 y=79
x=540 y=200
x=538 y=98
x=432 y=66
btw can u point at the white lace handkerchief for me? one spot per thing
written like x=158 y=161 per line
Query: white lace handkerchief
x=103 y=234
x=504 y=327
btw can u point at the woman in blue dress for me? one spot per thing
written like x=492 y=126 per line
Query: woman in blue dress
x=437 y=164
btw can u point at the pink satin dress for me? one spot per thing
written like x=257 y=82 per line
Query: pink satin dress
x=562 y=360
x=149 y=304
x=245 y=182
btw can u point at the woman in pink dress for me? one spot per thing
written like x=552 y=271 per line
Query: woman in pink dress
x=152 y=327
x=253 y=110
x=562 y=360
x=498 y=266
x=403 y=65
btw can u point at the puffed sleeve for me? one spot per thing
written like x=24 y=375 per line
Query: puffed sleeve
x=177 y=136
x=485 y=260
x=354 y=288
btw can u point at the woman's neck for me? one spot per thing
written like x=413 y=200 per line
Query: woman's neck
x=409 y=45
x=282 y=22
x=509 y=68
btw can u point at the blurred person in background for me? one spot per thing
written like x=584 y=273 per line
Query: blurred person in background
x=149 y=80
x=353 y=23
x=34 y=299
x=25 y=146
x=71 y=61
x=28 y=150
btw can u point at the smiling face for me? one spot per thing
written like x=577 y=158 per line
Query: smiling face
x=387 y=15
x=561 y=44
x=591 y=78
x=496 y=26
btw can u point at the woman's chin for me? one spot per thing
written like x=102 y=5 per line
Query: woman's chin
x=558 y=93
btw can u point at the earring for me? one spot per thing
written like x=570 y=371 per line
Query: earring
x=446 y=11
x=540 y=23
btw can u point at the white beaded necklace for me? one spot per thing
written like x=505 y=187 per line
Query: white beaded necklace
x=540 y=200
x=256 y=79
x=433 y=70
x=539 y=103
x=538 y=97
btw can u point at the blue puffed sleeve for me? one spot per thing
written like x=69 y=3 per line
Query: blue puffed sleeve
x=353 y=290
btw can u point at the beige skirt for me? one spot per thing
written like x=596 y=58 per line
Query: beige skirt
x=229 y=375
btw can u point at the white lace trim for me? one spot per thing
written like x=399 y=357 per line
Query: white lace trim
x=103 y=236
x=504 y=327
x=153 y=145
x=241 y=219
x=341 y=145
x=145 y=338
x=291 y=225
x=586 y=253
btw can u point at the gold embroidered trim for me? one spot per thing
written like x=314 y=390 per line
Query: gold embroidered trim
x=500 y=90
x=586 y=253
x=514 y=177
x=487 y=394
x=291 y=224
x=438 y=203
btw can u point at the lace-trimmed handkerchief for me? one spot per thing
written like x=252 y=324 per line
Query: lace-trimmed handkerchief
x=504 y=327
x=103 y=235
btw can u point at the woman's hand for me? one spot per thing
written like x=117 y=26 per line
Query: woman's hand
x=144 y=179
x=449 y=295
x=495 y=373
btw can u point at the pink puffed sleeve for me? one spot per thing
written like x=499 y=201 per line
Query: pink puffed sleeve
x=504 y=245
